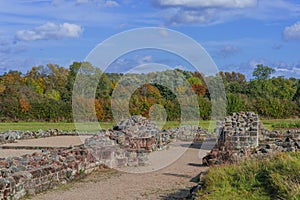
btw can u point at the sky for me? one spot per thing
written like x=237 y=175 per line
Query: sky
x=237 y=34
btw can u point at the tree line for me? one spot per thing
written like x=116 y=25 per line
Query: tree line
x=44 y=93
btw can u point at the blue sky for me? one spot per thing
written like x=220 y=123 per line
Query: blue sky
x=238 y=34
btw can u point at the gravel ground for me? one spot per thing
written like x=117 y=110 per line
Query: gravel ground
x=171 y=182
x=58 y=141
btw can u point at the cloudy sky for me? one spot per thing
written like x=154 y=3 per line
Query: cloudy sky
x=238 y=34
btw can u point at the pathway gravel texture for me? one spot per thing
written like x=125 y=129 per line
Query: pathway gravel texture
x=171 y=182
x=58 y=141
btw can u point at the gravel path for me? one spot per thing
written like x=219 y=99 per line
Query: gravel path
x=171 y=182
x=58 y=141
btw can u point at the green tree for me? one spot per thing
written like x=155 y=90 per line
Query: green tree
x=262 y=72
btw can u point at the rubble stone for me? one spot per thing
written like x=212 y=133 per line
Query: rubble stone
x=127 y=144
x=242 y=136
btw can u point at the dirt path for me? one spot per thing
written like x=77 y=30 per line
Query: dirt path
x=58 y=141
x=172 y=182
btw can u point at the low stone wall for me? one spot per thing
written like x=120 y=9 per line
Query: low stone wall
x=31 y=174
x=12 y=136
x=188 y=133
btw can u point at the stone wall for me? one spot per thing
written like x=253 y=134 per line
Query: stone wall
x=241 y=130
x=31 y=174
x=127 y=144
x=242 y=136
x=188 y=133
x=139 y=133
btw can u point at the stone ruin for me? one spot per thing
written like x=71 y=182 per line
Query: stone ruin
x=127 y=144
x=31 y=174
x=241 y=130
x=138 y=133
x=242 y=136
x=131 y=140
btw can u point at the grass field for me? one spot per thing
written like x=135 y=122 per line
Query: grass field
x=281 y=123
x=34 y=126
x=275 y=178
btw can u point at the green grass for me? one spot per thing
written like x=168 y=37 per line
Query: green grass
x=275 y=178
x=204 y=124
x=287 y=125
x=90 y=127
x=34 y=126
x=281 y=123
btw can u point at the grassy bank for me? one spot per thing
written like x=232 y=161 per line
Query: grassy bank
x=276 y=178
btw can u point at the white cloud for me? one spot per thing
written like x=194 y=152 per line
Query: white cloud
x=202 y=11
x=282 y=68
x=98 y=3
x=111 y=4
x=218 y=11
x=292 y=32
x=182 y=16
x=50 y=31
x=206 y=3
x=288 y=72
x=228 y=50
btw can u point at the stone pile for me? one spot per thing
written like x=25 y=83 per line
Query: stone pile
x=138 y=133
x=278 y=141
x=135 y=133
x=137 y=127
x=188 y=133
